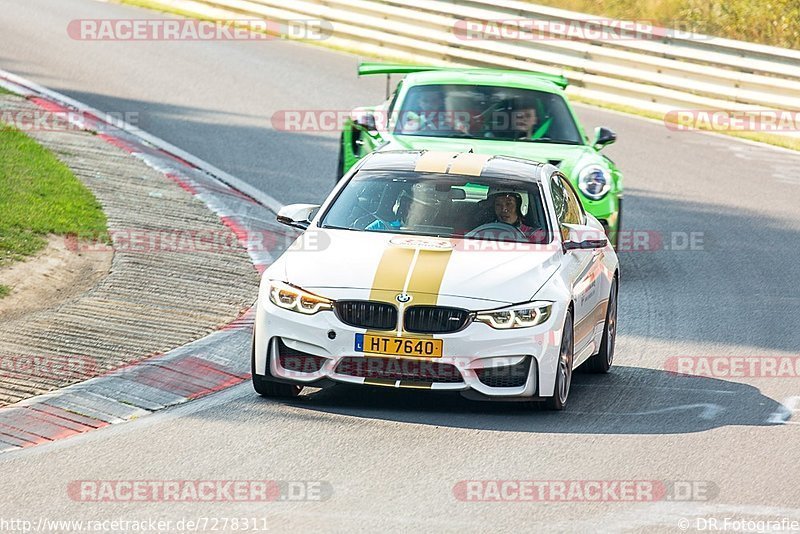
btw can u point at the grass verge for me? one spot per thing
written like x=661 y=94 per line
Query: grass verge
x=39 y=195
x=773 y=23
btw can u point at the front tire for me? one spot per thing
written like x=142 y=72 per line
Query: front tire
x=602 y=361
x=275 y=390
x=564 y=370
x=268 y=388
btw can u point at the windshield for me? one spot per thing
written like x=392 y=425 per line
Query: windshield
x=442 y=205
x=487 y=112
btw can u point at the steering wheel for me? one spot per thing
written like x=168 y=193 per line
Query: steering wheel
x=495 y=227
x=365 y=210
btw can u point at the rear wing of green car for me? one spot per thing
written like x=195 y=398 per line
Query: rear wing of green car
x=369 y=69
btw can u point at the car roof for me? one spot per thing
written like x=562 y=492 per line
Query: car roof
x=501 y=78
x=456 y=163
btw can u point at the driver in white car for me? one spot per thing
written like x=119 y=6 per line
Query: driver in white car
x=508 y=209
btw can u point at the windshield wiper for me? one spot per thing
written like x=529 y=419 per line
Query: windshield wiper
x=545 y=140
x=331 y=227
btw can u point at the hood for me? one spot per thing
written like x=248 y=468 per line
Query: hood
x=432 y=270
x=566 y=157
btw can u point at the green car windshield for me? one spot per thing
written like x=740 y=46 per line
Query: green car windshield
x=441 y=205
x=486 y=112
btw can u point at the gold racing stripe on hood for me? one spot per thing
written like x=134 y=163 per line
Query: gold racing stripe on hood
x=469 y=164
x=414 y=271
x=435 y=161
x=426 y=279
x=391 y=274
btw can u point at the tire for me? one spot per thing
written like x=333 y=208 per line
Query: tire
x=602 y=361
x=268 y=388
x=564 y=371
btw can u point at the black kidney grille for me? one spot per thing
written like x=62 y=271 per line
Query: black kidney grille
x=435 y=319
x=367 y=314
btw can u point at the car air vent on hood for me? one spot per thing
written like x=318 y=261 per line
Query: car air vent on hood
x=556 y=162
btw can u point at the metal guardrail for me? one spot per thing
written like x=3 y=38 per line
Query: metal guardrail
x=658 y=72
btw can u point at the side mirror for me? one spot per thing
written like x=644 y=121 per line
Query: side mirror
x=602 y=137
x=586 y=244
x=297 y=215
x=366 y=119
x=583 y=237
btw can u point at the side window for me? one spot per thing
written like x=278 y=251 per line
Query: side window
x=393 y=99
x=559 y=203
x=574 y=210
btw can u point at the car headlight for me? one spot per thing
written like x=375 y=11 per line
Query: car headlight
x=519 y=316
x=594 y=181
x=293 y=298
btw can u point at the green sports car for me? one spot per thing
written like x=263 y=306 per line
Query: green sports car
x=487 y=111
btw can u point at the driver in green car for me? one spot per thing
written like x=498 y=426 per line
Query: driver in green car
x=520 y=119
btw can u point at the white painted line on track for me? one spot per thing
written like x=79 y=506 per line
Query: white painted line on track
x=709 y=411
x=789 y=407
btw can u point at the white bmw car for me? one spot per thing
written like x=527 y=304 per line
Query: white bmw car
x=444 y=271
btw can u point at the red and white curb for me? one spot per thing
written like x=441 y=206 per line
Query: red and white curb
x=210 y=364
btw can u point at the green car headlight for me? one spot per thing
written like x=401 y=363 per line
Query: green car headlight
x=519 y=316
x=594 y=181
x=293 y=298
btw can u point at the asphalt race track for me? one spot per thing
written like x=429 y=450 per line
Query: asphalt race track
x=393 y=458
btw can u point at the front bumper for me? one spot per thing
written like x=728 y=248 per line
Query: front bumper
x=319 y=349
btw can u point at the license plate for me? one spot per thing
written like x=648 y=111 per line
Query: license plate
x=399 y=346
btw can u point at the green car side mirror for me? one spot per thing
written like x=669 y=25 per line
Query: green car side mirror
x=368 y=122
x=602 y=137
